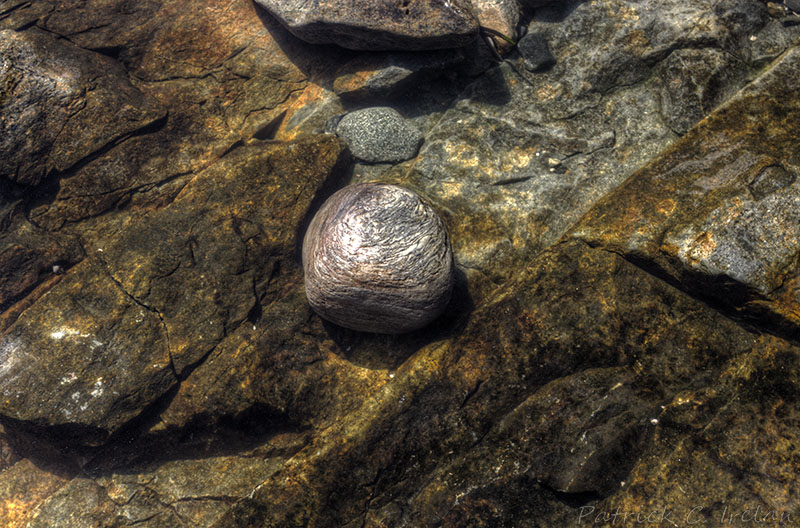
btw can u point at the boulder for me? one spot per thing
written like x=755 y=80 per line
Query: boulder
x=378 y=24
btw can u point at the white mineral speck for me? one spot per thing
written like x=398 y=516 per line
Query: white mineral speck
x=98 y=388
x=69 y=378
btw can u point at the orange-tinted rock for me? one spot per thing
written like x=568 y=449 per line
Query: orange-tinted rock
x=23 y=487
x=501 y=16
x=112 y=336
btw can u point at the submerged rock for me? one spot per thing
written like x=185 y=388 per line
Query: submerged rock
x=501 y=16
x=160 y=365
x=119 y=329
x=385 y=75
x=31 y=256
x=378 y=24
x=695 y=82
x=719 y=212
x=535 y=52
x=61 y=103
x=379 y=135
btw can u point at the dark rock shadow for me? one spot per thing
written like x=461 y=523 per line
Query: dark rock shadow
x=490 y=88
x=554 y=12
x=318 y=62
x=139 y=444
x=340 y=176
x=388 y=351
x=424 y=93
x=19 y=442
x=203 y=437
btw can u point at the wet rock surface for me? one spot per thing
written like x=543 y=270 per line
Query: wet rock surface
x=381 y=76
x=725 y=222
x=500 y=16
x=379 y=135
x=379 y=25
x=623 y=331
x=61 y=104
x=535 y=52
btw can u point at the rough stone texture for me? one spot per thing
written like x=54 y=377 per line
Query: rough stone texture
x=210 y=77
x=570 y=373
x=553 y=143
x=30 y=256
x=60 y=104
x=538 y=409
x=694 y=83
x=378 y=24
x=720 y=210
x=85 y=356
x=23 y=486
x=377 y=258
x=379 y=135
x=126 y=306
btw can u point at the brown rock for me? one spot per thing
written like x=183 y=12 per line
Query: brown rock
x=147 y=307
x=85 y=356
x=60 y=104
x=585 y=343
x=501 y=16
x=391 y=74
x=22 y=488
x=223 y=78
x=574 y=376
x=29 y=256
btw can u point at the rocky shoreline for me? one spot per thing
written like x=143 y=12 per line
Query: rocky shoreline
x=621 y=193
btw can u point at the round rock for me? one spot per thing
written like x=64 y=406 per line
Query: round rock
x=379 y=135
x=377 y=258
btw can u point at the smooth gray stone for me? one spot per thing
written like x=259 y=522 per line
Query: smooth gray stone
x=378 y=24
